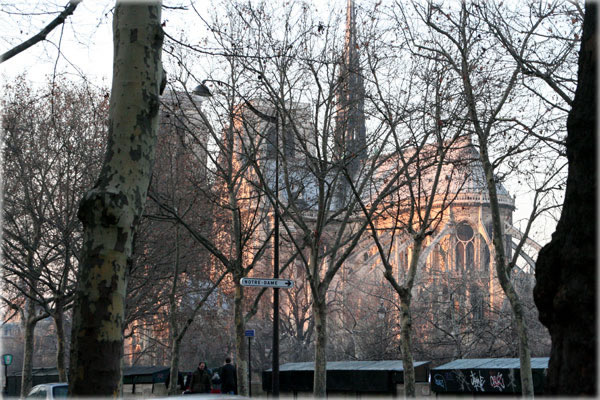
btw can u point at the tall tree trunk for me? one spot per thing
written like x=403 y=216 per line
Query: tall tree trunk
x=59 y=322
x=320 y=375
x=406 y=319
x=240 y=342
x=565 y=293
x=406 y=345
x=111 y=210
x=174 y=372
x=173 y=328
x=29 y=325
x=503 y=274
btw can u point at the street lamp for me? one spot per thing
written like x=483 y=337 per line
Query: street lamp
x=203 y=91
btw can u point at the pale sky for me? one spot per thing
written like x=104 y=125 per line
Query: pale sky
x=85 y=42
x=86 y=39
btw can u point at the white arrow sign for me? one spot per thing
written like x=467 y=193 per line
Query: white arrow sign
x=266 y=282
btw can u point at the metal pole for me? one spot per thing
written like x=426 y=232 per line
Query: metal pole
x=275 y=374
x=249 y=370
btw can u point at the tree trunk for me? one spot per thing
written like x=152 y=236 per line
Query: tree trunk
x=406 y=320
x=174 y=373
x=59 y=322
x=173 y=328
x=111 y=210
x=26 y=371
x=504 y=277
x=406 y=345
x=565 y=293
x=240 y=341
x=320 y=375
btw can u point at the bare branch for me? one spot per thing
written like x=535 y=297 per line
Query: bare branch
x=60 y=19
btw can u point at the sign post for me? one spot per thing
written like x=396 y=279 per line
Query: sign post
x=267 y=282
x=6 y=361
x=249 y=333
x=276 y=284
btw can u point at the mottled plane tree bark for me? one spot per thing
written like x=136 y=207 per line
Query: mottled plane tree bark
x=566 y=267
x=112 y=208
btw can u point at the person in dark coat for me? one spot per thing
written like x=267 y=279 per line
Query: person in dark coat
x=228 y=378
x=200 y=382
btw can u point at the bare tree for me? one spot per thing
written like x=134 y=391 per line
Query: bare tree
x=236 y=236
x=186 y=191
x=53 y=137
x=111 y=210
x=493 y=95
x=417 y=186
x=550 y=56
x=307 y=155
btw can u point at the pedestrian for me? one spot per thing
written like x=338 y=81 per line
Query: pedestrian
x=228 y=378
x=200 y=382
x=215 y=383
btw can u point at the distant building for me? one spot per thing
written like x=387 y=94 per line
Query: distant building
x=456 y=282
x=182 y=141
x=459 y=308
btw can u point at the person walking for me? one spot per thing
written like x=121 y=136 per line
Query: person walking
x=215 y=382
x=228 y=378
x=200 y=382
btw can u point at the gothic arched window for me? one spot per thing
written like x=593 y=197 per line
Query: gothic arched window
x=477 y=305
x=470 y=256
x=465 y=252
x=464 y=232
x=460 y=256
x=485 y=256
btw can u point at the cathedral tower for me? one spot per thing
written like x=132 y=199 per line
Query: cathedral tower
x=350 y=136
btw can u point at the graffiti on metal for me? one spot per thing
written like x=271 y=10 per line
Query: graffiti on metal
x=497 y=381
x=439 y=380
x=476 y=380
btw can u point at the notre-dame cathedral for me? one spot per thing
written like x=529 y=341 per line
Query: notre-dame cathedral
x=459 y=309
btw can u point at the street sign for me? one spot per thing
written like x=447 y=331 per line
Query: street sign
x=7 y=359
x=249 y=333
x=266 y=282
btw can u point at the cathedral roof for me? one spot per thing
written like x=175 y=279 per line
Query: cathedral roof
x=462 y=179
x=471 y=185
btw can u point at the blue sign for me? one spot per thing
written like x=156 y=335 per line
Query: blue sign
x=249 y=333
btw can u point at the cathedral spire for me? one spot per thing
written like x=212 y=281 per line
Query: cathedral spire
x=350 y=49
x=350 y=135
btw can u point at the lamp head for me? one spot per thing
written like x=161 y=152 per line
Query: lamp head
x=202 y=91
